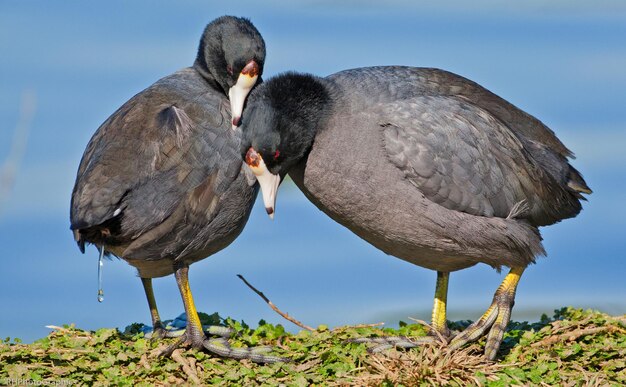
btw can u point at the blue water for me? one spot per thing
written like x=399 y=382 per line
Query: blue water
x=564 y=65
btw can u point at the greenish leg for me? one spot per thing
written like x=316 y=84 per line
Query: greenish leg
x=158 y=331
x=439 y=316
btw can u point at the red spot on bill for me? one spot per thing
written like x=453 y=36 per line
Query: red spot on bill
x=253 y=159
x=251 y=69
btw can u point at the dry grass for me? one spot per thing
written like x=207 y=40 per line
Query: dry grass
x=584 y=349
x=433 y=365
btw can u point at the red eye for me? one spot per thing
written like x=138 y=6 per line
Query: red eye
x=276 y=154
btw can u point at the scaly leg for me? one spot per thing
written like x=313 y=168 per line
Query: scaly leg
x=194 y=335
x=496 y=317
x=439 y=319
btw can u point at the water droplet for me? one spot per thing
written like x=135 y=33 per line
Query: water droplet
x=100 y=264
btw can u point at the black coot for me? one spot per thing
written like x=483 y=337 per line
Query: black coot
x=161 y=183
x=424 y=164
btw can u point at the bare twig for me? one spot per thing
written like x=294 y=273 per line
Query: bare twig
x=191 y=373
x=274 y=308
x=9 y=169
x=574 y=335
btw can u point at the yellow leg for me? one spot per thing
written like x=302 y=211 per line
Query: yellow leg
x=496 y=317
x=439 y=306
x=194 y=334
x=194 y=326
x=509 y=284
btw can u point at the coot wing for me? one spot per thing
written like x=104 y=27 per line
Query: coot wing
x=131 y=186
x=458 y=155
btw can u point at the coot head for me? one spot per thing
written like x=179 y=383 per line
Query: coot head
x=279 y=127
x=232 y=54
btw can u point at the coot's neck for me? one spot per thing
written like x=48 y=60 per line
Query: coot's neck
x=201 y=67
x=210 y=57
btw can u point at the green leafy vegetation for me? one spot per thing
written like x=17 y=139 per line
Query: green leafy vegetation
x=574 y=347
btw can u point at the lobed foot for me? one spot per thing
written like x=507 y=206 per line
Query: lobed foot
x=495 y=320
x=221 y=347
x=194 y=335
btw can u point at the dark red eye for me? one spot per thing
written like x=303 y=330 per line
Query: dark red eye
x=276 y=154
x=229 y=69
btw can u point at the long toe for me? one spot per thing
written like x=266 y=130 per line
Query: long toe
x=161 y=332
x=216 y=330
x=476 y=330
x=494 y=339
x=381 y=344
x=493 y=323
x=220 y=346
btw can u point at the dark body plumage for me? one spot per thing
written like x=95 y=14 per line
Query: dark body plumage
x=424 y=164
x=174 y=173
x=161 y=183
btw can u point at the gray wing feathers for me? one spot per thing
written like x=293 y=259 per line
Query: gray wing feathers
x=166 y=155
x=456 y=154
x=431 y=81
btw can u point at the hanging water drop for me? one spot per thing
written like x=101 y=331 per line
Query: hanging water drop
x=100 y=263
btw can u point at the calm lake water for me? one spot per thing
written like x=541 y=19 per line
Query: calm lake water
x=563 y=64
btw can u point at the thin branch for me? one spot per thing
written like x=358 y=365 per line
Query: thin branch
x=274 y=308
x=9 y=169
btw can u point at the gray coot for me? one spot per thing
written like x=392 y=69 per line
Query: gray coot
x=161 y=183
x=423 y=164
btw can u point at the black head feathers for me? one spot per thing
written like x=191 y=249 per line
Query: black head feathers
x=282 y=118
x=227 y=45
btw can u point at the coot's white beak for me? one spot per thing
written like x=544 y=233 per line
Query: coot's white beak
x=239 y=91
x=269 y=182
